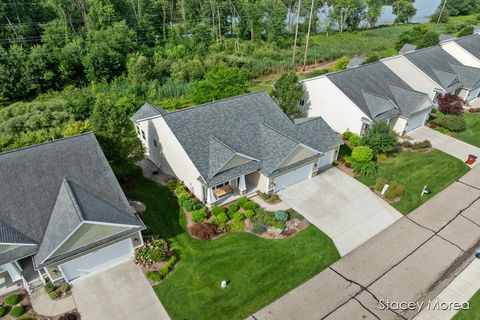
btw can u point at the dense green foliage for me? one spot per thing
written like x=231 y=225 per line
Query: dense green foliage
x=288 y=93
x=420 y=36
x=380 y=137
x=193 y=287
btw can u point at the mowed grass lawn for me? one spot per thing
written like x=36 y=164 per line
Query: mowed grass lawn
x=473 y=313
x=259 y=270
x=471 y=134
x=414 y=170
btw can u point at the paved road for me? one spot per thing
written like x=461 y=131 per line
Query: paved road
x=120 y=292
x=412 y=260
x=445 y=143
x=342 y=207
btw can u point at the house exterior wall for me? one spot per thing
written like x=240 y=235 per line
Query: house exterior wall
x=169 y=154
x=298 y=154
x=463 y=93
x=263 y=183
x=54 y=273
x=462 y=55
x=398 y=124
x=413 y=76
x=323 y=98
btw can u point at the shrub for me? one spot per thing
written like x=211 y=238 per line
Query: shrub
x=451 y=122
x=232 y=209
x=182 y=200
x=3 y=311
x=341 y=63
x=173 y=184
x=474 y=110
x=154 y=276
x=241 y=201
x=249 y=214
x=281 y=215
x=450 y=103
x=268 y=218
x=364 y=168
x=49 y=287
x=203 y=231
x=65 y=287
x=222 y=217
x=466 y=31
x=12 y=300
x=152 y=251
x=407 y=144
x=354 y=140
x=17 y=311
x=192 y=204
x=381 y=157
x=199 y=215
x=249 y=205
x=237 y=226
x=362 y=154
x=54 y=295
x=258 y=228
x=238 y=216
x=422 y=145
x=217 y=210
x=347 y=134
x=395 y=190
x=292 y=214
x=380 y=138
x=380 y=183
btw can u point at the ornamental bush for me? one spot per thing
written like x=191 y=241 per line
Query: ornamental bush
x=241 y=201
x=249 y=205
x=364 y=168
x=12 y=300
x=354 y=140
x=151 y=252
x=203 y=231
x=17 y=311
x=281 y=215
x=421 y=145
x=232 y=209
x=65 y=287
x=258 y=228
x=54 y=295
x=451 y=122
x=380 y=183
x=362 y=154
x=199 y=215
x=3 y=311
x=395 y=190
x=222 y=217
x=217 y=210
x=347 y=134
x=380 y=138
x=238 y=216
x=249 y=214
x=49 y=287
x=450 y=103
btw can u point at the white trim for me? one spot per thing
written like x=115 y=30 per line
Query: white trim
x=111 y=224
x=17 y=244
x=320 y=153
x=50 y=276
x=63 y=241
x=141 y=239
x=462 y=48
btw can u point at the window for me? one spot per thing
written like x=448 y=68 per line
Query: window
x=302 y=103
x=221 y=185
x=138 y=128
x=143 y=135
x=155 y=143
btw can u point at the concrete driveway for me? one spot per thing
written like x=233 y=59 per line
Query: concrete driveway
x=120 y=292
x=345 y=209
x=447 y=144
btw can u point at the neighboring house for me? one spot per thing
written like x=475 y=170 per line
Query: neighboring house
x=448 y=73
x=62 y=213
x=351 y=100
x=446 y=37
x=235 y=146
x=465 y=49
x=407 y=47
x=355 y=62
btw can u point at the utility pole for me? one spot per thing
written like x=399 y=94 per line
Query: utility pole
x=296 y=32
x=308 y=35
x=441 y=11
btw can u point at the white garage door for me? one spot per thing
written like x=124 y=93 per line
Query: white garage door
x=97 y=260
x=295 y=176
x=416 y=121
x=326 y=159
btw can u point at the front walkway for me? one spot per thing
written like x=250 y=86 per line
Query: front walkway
x=461 y=289
x=445 y=143
x=342 y=207
x=44 y=305
x=120 y=292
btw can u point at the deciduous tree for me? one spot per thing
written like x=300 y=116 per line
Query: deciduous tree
x=288 y=93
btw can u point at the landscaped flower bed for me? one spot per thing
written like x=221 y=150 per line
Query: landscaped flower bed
x=57 y=291
x=155 y=258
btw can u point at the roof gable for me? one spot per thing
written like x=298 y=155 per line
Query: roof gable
x=380 y=107
x=469 y=76
x=147 y=111
x=298 y=154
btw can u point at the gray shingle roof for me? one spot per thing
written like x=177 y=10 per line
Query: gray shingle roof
x=10 y=235
x=471 y=44
x=146 y=111
x=407 y=47
x=355 y=62
x=36 y=178
x=441 y=67
x=240 y=124
x=446 y=37
x=16 y=253
x=378 y=92
x=469 y=76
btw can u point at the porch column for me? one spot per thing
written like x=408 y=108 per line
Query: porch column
x=210 y=196
x=242 y=186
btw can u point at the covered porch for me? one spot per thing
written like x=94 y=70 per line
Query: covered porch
x=11 y=278
x=232 y=189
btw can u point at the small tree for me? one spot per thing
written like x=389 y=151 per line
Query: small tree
x=466 y=31
x=341 y=64
x=404 y=11
x=450 y=103
x=288 y=93
x=380 y=138
x=362 y=154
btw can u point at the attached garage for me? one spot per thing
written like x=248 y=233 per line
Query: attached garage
x=293 y=177
x=97 y=260
x=326 y=159
x=472 y=94
x=416 y=121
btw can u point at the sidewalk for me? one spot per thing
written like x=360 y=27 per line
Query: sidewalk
x=44 y=305
x=461 y=289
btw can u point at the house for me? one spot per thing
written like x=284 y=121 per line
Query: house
x=355 y=62
x=62 y=214
x=352 y=99
x=235 y=146
x=446 y=37
x=465 y=49
x=407 y=47
x=449 y=74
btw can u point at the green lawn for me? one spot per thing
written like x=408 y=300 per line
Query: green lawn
x=473 y=313
x=259 y=270
x=471 y=134
x=414 y=170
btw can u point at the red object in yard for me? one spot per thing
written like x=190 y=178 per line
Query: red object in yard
x=471 y=159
